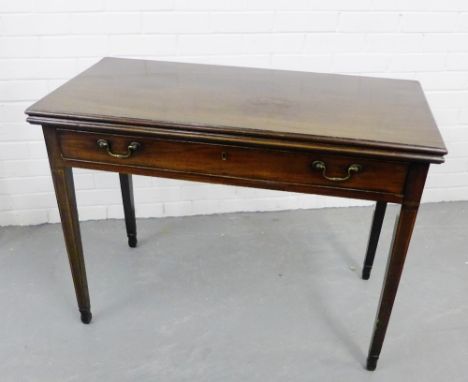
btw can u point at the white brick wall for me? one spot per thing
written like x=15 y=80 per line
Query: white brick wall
x=45 y=42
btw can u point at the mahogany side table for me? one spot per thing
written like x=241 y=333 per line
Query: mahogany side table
x=347 y=136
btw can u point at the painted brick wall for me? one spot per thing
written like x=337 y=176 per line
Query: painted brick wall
x=45 y=42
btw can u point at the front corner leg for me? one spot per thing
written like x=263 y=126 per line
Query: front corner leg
x=414 y=186
x=396 y=260
x=65 y=192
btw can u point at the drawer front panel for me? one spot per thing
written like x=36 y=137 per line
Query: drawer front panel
x=298 y=167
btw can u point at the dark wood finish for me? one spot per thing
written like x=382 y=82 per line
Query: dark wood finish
x=377 y=220
x=126 y=186
x=65 y=191
x=244 y=182
x=246 y=127
x=315 y=107
x=362 y=149
x=401 y=239
x=235 y=161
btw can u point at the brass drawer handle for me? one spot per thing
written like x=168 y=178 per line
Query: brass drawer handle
x=132 y=147
x=353 y=168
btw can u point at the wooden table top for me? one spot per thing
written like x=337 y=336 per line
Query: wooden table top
x=381 y=113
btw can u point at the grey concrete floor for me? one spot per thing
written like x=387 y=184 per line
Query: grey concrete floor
x=236 y=297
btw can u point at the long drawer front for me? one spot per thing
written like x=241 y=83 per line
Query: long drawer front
x=295 y=167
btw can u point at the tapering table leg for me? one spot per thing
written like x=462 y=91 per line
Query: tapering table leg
x=401 y=238
x=377 y=220
x=65 y=192
x=126 y=186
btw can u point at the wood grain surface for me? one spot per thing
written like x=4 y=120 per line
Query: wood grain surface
x=269 y=103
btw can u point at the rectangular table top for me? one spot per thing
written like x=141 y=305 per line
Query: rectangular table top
x=381 y=113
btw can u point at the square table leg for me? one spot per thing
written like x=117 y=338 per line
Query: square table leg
x=401 y=239
x=377 y=220
x=62 y=177
x=126 y=186
x=65 y=192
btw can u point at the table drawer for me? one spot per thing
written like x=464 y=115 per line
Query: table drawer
x=298 y=167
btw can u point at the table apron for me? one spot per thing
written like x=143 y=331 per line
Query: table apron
x=287 y=170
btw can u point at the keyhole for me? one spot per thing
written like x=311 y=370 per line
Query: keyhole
x=224 y=155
